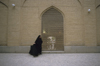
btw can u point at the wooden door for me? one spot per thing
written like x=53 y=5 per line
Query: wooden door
x=52 y=30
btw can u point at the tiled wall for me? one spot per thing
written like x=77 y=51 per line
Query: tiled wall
x=98 y=21
x=20 y=25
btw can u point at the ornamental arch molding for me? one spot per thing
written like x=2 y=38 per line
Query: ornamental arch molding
x=50 y=8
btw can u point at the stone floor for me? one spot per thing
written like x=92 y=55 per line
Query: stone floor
x=53 y=59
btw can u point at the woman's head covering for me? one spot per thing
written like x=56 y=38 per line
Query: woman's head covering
x=38 y=40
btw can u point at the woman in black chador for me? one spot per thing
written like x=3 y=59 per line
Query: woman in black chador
x=36 y=48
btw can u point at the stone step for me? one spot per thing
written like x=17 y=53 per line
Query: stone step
x=52 y=51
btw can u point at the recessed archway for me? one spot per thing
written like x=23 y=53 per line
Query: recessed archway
x=52 y=30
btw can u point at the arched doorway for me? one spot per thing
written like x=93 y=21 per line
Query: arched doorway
x=52 y=30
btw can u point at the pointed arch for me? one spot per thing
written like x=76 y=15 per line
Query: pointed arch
x=50 y=8
x=98 y=6
x=3 y=4
x=80 y=2
x=24 y=2
x=52 y=24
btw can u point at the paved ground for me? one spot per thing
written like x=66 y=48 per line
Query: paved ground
x=64 y=59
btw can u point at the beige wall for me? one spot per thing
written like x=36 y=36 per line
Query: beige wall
x=98 y=21
x=22 y=23
x=3 y=23
x=90 y=23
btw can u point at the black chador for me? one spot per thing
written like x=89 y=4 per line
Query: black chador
x=36 y=48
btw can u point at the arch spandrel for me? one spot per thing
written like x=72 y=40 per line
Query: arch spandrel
x=50 y=8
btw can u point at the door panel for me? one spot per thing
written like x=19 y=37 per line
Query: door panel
x=52 y=30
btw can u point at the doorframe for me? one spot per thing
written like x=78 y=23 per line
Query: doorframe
x=41 y=14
